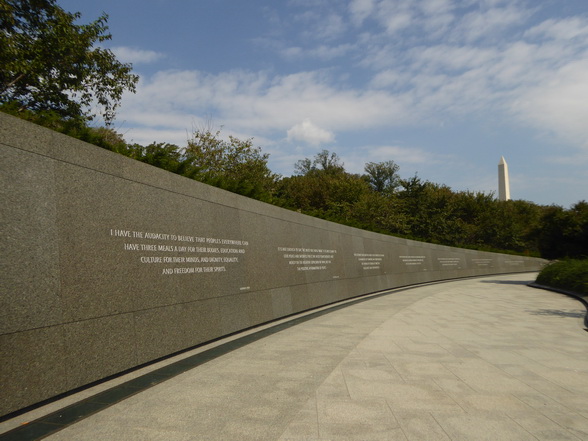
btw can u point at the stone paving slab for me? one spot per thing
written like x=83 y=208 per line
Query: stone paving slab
x=476 y=359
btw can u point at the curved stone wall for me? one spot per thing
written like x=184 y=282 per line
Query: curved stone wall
x=109 y=263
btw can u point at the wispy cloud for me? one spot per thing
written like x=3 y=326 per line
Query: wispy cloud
x=331 y=27
x=136 y=56
x=322 y=52
x=359 y=10
x=489 y=24
x=408 y=155
x=411 y=62
x=559 y=103
x=564 y=29
x=395 y=16
x=260 y=101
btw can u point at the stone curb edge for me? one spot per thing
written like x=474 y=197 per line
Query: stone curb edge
x=582 y=298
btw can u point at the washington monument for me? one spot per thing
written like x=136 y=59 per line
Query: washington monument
x=503 y=182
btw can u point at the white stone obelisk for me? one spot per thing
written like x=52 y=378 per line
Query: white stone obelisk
x=503 y=182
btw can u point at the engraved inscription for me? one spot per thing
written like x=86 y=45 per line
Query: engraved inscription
x=482 y=262
x=412 y=260
x=449 y=261
x=369 y=261
x=195 y=254
x=308 y=259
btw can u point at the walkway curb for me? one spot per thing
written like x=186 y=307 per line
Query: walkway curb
x=582 y=298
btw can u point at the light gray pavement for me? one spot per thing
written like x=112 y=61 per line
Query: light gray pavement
x=476 y=359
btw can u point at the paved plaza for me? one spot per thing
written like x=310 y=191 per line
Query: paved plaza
x=475 y=359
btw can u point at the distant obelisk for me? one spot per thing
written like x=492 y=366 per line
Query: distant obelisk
x=503 y=183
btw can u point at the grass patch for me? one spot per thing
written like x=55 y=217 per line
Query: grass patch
x=569 y=274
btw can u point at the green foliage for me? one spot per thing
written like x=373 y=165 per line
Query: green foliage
x=380 y=202
x=101 y=136
x=377 y=212
x=382 y=176
x=412 y=208
x=429 y=208
x=323 y=188
x=234 y=165
x=569 y=274
x=169 y=157
x=564 y=233
x=50 y=63
x=324 y=161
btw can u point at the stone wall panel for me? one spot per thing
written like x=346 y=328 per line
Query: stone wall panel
x=109 y=263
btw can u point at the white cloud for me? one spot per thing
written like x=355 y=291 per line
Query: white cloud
x=309 y=133
x=360 y=10
x=259 y=102
x=136 y=56
x=559 y=104
x=395 y=15
x=146 y=136
x=564 y=29
x=436 y=7
x=538 y=76
x=321 y=26
x=390 y=79
x=322 y=52
x=375 y=79
x=331 y=27
x=406 y=157
x=292 y=53
x=400 y=155
x=455 y=58
x=488 y=24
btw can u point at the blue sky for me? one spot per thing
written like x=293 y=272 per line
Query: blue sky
x=442 y=87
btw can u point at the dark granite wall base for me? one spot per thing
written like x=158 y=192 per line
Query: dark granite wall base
x=109 y=263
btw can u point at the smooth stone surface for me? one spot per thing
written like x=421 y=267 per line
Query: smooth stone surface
x=30 y=254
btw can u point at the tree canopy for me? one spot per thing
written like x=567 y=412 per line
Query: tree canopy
x=382 y=202
x=234 y=165
x=48 y=62
x=324 y=161
x=383 y=176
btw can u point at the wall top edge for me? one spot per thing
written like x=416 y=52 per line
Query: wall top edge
x=34 y=139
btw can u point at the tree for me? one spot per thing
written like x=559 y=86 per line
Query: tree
x=323 y=188
x=169 y=157
x=324 y=160
x=564 y=233
x=50 y=63
x=234 y=165
x=382 y=176
x=381 y=213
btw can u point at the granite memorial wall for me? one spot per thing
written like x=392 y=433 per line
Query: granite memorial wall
x=109 y=263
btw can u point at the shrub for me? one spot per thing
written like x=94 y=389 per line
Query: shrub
x=569 y=274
